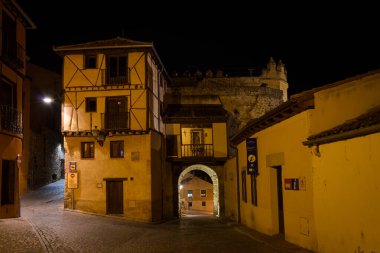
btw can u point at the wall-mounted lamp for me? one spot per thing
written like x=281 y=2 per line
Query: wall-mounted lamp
x=99 y=136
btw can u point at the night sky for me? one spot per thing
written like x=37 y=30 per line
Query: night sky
x=318 y=44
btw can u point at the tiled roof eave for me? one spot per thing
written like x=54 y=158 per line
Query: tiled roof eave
x=343 y=135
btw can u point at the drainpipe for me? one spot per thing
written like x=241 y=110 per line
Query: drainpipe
x=237 y=182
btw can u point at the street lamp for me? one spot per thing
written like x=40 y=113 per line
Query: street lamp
x=47 y=100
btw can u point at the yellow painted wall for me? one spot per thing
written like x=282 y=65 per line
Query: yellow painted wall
x=11 y=146
x=220 y=139
x=343 y=102
x=346 y=186
x=281 y=140
x=230 y=193
x=80 y=120
x=136 y=64
x=137 y=187
x=75 y=75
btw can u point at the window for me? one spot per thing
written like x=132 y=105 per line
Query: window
x=90 y=61
x=243 y=186
x=90 y=104
x=203 y=193
x=8 y=94
x=88 y=149
x=189 y=193
x=9 y=43
x=196 y=136
x=190 y=204
x=203 y=203
x=116 y=113
x=253 y=190
x=117 y=149
x=117 y=70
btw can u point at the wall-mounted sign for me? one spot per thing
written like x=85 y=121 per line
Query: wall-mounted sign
x=252 y=163
x=292 y=184
x=72 y=180
x=73 y=167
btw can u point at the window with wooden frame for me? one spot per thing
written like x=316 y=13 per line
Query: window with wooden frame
x=203 y=193
x=118 y=69
x=117 y=149
x=90 y=104
x=88 y=149
x=90 y=61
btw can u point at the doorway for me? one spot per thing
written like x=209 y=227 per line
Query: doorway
x=115 y=197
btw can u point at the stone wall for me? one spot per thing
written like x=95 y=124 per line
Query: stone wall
x=243 y=97
x=46 y=158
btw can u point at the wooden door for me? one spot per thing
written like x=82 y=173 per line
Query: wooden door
x=114 y=197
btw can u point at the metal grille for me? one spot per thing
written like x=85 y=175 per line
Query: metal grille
x=197 y=150
x=10 y=119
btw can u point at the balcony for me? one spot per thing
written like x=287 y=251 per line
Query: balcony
x=10 y=120
x=115 y=121
x=197 y=150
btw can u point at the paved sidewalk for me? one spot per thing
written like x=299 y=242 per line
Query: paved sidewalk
x=18 y=235
x=46 y=231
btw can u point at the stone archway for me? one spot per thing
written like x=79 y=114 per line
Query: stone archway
x=215 y=183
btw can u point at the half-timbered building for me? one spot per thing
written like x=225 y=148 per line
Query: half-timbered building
x=112 y=126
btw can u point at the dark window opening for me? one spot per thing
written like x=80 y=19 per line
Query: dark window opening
x=203 y=203
x=171 y=145
x=90 y=62
x=117 y=113
x=9 y=43
x=117 y=70
x=90 y=104
x=117 y=149
x=190 y=204
x=88 y=149
x=8 y=94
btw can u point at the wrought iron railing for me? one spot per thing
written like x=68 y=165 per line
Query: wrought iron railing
x=197 y=150
x=117 y=80
x=10 y=120
x=115 y=120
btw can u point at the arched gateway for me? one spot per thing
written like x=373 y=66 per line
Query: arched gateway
x=215 y=183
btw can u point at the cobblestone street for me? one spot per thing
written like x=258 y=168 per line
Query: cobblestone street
x=46 y=227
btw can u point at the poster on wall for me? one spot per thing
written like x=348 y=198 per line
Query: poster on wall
x=252 y=163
